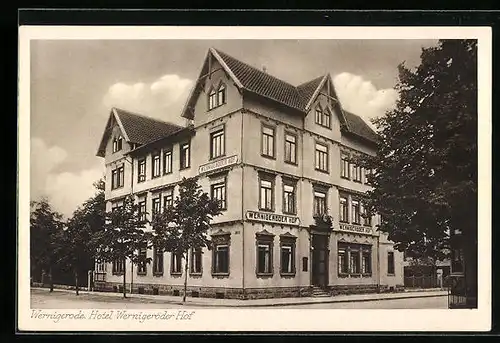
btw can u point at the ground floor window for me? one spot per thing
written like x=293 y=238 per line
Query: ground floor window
x=119 y=266
x=354 y=259
x=196 y=255
x=390 y=263
x=176 y=263
x=221 y=241
x=142 y=265
x=287 y=254
x=264 y=263
x=157 y=261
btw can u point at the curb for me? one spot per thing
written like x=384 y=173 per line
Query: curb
x=332 y=301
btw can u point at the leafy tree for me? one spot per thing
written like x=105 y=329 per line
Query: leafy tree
x=45 y=238
x=87 y=220
x=425 y=171
x=185 y=225
x=123 y=236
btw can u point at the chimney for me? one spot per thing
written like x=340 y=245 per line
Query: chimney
x=264 y=69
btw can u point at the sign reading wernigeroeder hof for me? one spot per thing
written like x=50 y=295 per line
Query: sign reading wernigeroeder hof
x=356 y=228
x=272 y=218
x=218 y=164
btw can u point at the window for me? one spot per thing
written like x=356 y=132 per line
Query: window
x=290 y=148
x=287 y=254
x=356 y=213
x=141 y=168
x=319 y=203
x=323 y=117
x=354 y=262
x=185 y=155
x=156 y=165
x=115 y=206
x=321 y=157
x=117 y=144
x=264 y=259
x=156 y=206
x=168 y=199
x=221 y=95
x=366 y=261
x=266 y=195
x=217 y=98
x=142 y=210
x=289 y=198
x=344 y=211
x=342 y=261
x=344 y=166
x=141 y=266
x=118 y=266
x=368 y=175
x=354 y=259
x=157 y=261
x=220 y=253
x=175 y=263
x=167 y=161
x=218 y=192
x=264 y=263
x=221 y=259
x=356 y=173
x=268 y=141
x=117 y=177
x=367 y=216
x=390 y=263
x=212 y=99
x=217 y=144
x=196 y=255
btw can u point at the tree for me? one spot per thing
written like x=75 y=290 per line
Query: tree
x=123 y=236
x=77 y=250
x=185 y=225
x=425 y=172
x=45 y=238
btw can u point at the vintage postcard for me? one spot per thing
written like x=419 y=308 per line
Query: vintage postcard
x=254 y=179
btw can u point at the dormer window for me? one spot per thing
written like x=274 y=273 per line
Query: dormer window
x=117 y=144
x=221 y=95
x=323 y=117
x=212 y=99
x=217 y=97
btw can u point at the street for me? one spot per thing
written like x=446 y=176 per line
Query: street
x=42 y=299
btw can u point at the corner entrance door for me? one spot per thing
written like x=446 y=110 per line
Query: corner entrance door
x=320 y=260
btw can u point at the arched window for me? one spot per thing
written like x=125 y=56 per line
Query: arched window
x=221 y=95
x=119 y=143
x=319 y=114
x=212 y=99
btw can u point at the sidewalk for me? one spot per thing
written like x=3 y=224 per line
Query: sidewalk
x=211 y=302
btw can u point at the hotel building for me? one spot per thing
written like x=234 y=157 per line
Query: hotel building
x=277 y=156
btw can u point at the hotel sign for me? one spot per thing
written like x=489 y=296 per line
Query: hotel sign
x=273 y=218
x=356 y=228
x=218 y=164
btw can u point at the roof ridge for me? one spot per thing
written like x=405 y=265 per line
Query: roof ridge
x=255 y=68
x=311 y=80
x=146 y=117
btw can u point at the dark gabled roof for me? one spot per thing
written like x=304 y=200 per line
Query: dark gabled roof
x=306 y=90
x=357 y=126
x=136 y=128
x=142 y=130
x=257 y=81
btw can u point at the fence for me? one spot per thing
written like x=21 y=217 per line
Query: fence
x=425 y=281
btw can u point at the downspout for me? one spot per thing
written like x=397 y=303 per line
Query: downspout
x=242 y=206
x=131 y=193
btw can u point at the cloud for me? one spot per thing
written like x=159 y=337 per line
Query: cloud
x=65 y=190
x=361 y=97
x=168 y=92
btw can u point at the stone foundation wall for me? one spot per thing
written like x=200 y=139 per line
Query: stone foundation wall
x=239 y=293
x=207 y=292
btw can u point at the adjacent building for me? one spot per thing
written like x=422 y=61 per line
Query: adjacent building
x=277 y=157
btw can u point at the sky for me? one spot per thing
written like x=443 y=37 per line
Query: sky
x=74 y=84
